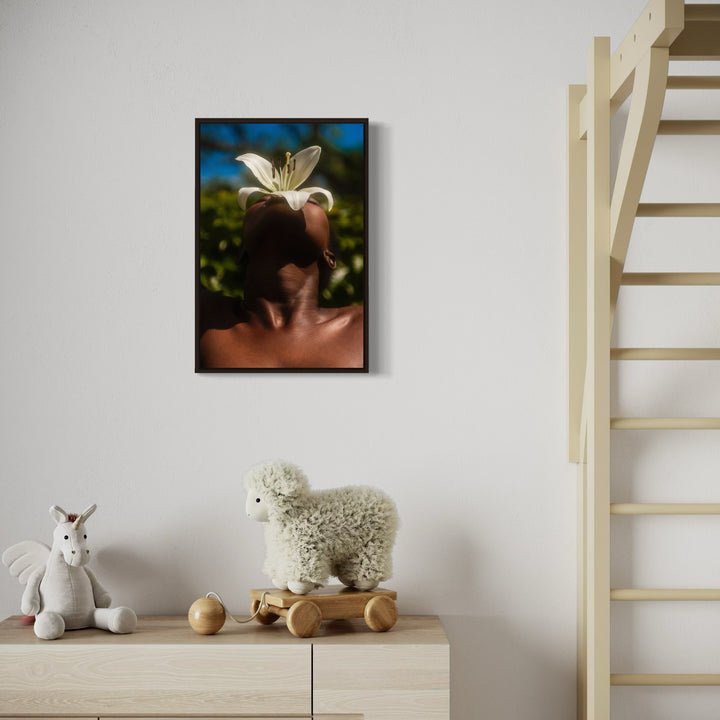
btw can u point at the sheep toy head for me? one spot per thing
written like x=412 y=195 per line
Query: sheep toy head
x=281 y=481
x=348 y=532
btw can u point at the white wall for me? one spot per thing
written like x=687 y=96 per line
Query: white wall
x=462 y=419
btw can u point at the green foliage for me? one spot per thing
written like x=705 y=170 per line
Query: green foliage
x=221 y=269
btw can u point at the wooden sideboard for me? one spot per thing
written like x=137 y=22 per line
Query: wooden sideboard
x=344 y=672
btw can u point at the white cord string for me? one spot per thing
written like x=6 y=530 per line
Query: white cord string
x=262 y=606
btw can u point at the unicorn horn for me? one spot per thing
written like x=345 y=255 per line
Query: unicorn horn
x=84 y=516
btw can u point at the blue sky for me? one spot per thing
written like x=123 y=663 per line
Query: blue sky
x=269 y=139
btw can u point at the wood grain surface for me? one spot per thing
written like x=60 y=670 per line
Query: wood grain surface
x=165 y=669
x=105 y=679
x=383 y=682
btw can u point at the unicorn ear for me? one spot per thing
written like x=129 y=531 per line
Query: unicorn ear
x=58 y=514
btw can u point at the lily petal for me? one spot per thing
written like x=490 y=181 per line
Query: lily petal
x=260 y=168
x=302 y=164
x=296 y=199
x=322 y=191
x=245 y=192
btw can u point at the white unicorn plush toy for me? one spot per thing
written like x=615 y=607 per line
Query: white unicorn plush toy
x=62 y=593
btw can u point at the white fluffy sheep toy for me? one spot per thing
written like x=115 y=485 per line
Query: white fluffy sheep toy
x=347 y=532
x=62 y=593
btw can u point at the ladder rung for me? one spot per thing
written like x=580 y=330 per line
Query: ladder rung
x=664 y=679
x=671 y=279
x=700 y=38
x=665 y=423
x=702 y=12
x=665 y=353
x=665 y=594
x=689 y=127
x=693 y=82
x=678 y=210
x=665 y=508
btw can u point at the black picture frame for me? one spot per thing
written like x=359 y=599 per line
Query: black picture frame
x=219 y=251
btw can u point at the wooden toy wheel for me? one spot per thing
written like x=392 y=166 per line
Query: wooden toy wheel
x=264 y=617
x=381 y=613
x=303 y=618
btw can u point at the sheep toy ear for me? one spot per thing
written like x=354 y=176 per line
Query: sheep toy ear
x=58 y=514
x=290 y=480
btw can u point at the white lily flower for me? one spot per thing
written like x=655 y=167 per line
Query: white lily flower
x=284 y=181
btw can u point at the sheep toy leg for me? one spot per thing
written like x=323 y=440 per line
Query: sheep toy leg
x=276 y=562
x=119 y=620
x=352 y=575
x=306 y=574
x=346 y=573
x=369 y=568
x=49 y=625
x=300 y=587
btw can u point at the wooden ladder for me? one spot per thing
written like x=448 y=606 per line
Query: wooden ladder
x=600 y=227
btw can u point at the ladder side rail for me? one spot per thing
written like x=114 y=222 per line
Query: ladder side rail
x=658 y=25
x=648 y=95
x=582 y=585
x=577 y=271
x=597 y=400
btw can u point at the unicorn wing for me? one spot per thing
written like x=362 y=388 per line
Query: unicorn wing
x=26 y=557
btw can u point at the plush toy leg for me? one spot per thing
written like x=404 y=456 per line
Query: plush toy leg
x=299 y=587
x=361 y=573
x=117 y=620
x=360 y=584
x=366 y=584
x=49 y=625
x=279 y=584
x=352 y=575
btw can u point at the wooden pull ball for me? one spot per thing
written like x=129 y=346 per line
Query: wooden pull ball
x=206 y=616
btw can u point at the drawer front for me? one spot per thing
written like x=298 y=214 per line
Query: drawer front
x=158 y=679
x=408 y=682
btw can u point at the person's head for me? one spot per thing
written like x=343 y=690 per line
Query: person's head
x=273 y=228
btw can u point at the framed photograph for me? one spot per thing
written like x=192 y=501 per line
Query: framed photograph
x=281 y=245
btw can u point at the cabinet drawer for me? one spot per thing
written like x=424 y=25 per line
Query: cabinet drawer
x=383 y=682
x=155 y=679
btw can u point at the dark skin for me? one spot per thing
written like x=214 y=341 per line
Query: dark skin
x=279 y=324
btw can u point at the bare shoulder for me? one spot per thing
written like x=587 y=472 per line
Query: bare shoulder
x=351 y=314
x=347 y=320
